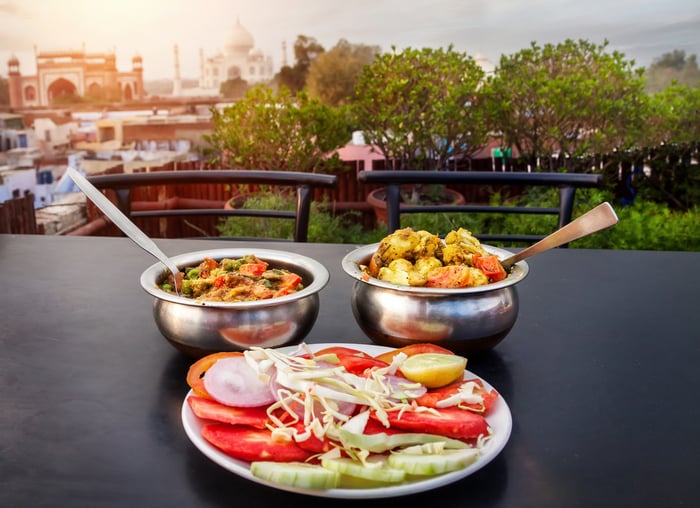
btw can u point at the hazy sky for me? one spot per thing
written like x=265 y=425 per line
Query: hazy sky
x=642 y=29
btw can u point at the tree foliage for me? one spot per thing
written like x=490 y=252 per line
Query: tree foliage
x=421 y=107
x=665 y=165
x=278 y=131
x=306 y=51
x=233 y=88
x=332 y=76
x=573 y=99
x=291 y=78
x=674 y=117
x=670 y=68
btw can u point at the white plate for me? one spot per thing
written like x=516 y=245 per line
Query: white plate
x=499 y=419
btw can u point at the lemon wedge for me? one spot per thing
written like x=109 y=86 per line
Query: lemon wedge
x=434 y=370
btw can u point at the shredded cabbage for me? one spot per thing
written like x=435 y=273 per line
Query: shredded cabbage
x=317 y=392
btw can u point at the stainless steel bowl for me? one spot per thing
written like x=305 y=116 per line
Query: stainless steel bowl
x=198 y=328
x=468 y=320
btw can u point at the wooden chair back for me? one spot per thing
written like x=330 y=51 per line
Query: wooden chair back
x=566 y=182
x=123 y=186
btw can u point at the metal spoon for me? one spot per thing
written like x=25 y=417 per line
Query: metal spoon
x=122 y=221
x=601 y=217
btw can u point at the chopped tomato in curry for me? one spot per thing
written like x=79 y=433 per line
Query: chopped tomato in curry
x=235 y=280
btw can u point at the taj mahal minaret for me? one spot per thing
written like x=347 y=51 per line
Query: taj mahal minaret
x=177 y=80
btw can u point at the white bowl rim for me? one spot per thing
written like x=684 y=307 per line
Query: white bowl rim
x=320 y=273
x=351 y=266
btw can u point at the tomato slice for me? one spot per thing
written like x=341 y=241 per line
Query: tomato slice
x=376 y=427
x=342 y=351
x=288 y=284
x=261 y=292
x=432 y=397
x=195 y=374
x=290 y=280
x=491 y=267
x=245 y=443
x=449 y=422
x=253 y=269
x=490 y=399
x=450 y=276
x=375 y=263
x=208 y=265
x=413 y=349
x=354 y=360
x=359 y=365
x=313 y=444
x=211 y=410
x=435 y=395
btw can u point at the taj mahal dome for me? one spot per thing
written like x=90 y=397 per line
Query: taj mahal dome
x=239 y=59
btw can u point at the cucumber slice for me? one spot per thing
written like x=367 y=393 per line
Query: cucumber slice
x=382 y=442
x=434 y=464
x=379 y=473
x=296 y=474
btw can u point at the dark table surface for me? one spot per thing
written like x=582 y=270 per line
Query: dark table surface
x=601 y=373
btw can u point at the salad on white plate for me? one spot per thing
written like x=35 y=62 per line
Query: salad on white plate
x=344 y=420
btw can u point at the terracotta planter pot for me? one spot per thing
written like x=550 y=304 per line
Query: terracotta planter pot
x=377 y=198
x=234 y=202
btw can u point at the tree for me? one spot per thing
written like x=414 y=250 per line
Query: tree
x=674 y=117
x=672 y=67
x=670 y=144
x=279 y=131
x=306 y=51
x=421 y=107
x=233 y=88
x=291 y=78
x=566 y=102
x=332 y=76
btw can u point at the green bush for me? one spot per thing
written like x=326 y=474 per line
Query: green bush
x=324 y=227
x=421 y=107
x=492 y=222
x=277 y=131
x=574 y=99
x=643 y=225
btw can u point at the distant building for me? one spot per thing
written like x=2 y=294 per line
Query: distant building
x=74 y=73
x=14 y=133
x=239 y=59
x=486 y=65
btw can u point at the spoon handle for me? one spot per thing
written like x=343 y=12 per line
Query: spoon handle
x=120 y=220
x=601 y=217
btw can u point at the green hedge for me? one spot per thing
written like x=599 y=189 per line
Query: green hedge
x=643 y=225
x=323 y=226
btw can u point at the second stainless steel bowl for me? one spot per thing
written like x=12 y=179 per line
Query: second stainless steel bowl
x=466 y=320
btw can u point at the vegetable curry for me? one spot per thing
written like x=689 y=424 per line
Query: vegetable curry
x=419 y=258
x=234 y=280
